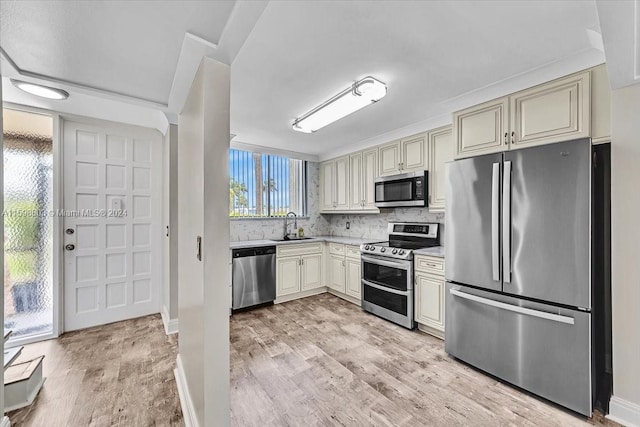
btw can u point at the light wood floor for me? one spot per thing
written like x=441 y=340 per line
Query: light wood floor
x=321 y=361
x=113 y=375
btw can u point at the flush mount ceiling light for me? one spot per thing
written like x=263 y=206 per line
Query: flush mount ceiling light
x=41 y=91
x=359 y=95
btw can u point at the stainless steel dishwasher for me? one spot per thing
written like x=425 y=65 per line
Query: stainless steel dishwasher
x=254 y=276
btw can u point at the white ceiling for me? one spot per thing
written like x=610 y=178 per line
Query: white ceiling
x=301 y=53
x=123 y=47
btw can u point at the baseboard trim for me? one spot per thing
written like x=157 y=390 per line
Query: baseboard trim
x=170 y=325
x=624 y=412
x=302 y=294
x=345 y=297
x=430 y=330
x=188 y=411
x=5 y=422
x=29 y=401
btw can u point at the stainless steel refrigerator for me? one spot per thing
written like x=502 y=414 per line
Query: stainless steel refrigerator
x=519 y=254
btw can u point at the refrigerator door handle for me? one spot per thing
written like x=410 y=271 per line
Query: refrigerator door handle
x=514 y=308
x=506 y=223
x=495 y=222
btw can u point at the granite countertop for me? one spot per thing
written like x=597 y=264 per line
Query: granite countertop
x=437 y=251
x=356 y=241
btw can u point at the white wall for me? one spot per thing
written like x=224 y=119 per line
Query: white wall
x=625 y=253
x=170 y=219
x=203 y=295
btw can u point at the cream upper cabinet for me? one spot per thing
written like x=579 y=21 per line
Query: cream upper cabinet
x=353 y=275
x=482 y=129
x=413 y=153
x=337 y=266
x=600 y=105
x=553 y=112
x=406 y=155
x=311 y=271
x=327 y=185
x=356 y=197
x=342 y=183
x=429 y=299
x=287 y=276
x=576 y=106
x=334 y=185
x=369 y=175
x=389 y=156
x=441 y=151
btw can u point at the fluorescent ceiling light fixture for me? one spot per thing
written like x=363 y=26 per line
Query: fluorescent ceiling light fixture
x=41 y=91
x=359 y=95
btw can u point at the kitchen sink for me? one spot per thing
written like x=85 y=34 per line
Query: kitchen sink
x=291 y=239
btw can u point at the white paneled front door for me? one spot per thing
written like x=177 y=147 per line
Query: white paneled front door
x=112 y=225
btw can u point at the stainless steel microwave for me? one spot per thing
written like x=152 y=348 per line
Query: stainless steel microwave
x=407 y=189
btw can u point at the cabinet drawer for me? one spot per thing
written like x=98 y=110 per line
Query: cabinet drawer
x=336 y=248
x=293 y=249
x=428 y=264
x=353 y=251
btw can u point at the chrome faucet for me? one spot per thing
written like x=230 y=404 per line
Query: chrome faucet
x=286 y=223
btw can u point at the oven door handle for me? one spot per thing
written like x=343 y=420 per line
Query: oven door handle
x=403 y=265
x=386 y=289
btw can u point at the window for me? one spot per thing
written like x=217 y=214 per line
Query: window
x=263 y=185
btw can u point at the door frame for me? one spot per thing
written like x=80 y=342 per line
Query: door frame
x=58 y=268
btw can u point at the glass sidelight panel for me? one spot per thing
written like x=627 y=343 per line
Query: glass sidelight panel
x=28 y=223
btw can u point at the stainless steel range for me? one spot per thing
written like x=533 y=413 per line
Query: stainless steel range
x=387 y=271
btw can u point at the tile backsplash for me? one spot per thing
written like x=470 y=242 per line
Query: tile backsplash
x=373 y=226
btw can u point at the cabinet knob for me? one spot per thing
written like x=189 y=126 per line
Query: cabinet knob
x=506 y=136
x=513 y=137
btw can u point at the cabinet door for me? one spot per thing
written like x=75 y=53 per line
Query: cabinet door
x=288 y=276
x=355 y=182
x=353 y=275
x=341 y=197
x=429 y=295
x=482 y=129
x=337 y=273
x=369 y=175
x=440 y=152
x=327 y=185
x=552 y=112
x=414 y=156
x=311 y=274
x=389 y=156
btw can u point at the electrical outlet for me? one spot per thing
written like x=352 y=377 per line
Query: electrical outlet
x=348 y=225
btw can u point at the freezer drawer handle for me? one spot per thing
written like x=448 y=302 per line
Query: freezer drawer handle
x=514 y=308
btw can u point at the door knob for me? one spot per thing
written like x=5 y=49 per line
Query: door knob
x=69 y=231
x=70 y=247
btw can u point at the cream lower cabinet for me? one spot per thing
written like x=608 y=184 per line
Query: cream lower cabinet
x=429 y=294
x=353 y=276
x=298 y=274
x=344 y=270
x=288 y=276
x=298 y=269
x=337 y=268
